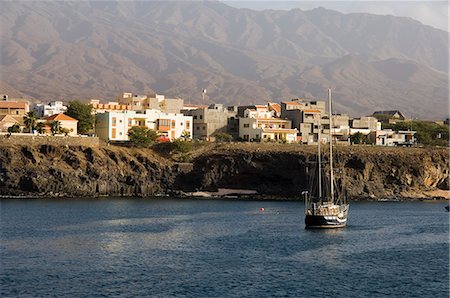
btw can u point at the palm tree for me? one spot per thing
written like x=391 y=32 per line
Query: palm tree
x=55 y=127
x=40 y=127
x=30 y=119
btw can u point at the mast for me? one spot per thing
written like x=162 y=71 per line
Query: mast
x=320 y=161
x=331 y=147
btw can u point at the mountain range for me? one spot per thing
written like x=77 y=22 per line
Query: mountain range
x=79 y=50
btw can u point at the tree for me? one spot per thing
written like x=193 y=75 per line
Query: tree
x=30 y=120
x=14 y=129
x=83 y=113
x=142 y=136
x=64 y=130
x=40 y=127
x=55 y=127
x=223 y=137
x=358 y=138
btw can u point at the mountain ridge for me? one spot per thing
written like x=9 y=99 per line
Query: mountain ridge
x=98 y=49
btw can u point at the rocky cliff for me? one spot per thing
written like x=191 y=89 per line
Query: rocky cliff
x=277 y=170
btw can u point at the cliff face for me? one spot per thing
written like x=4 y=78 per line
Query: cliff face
x=369 y=173
x=80 y=171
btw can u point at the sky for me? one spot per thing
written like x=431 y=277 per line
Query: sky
x=432 y=13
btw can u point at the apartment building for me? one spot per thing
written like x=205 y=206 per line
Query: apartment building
x=266 y=130
x=259 y=124
x=208 y=121
x=306 y=116
x=52 y=108
x=153 y=101
x=114 y=126
x=112 y=106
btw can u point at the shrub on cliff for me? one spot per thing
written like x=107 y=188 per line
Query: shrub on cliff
x=14 y=128
x=83 y=113
x=223 y=137
x=142 y=136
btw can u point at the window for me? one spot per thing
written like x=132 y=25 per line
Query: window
x=188 y=123
x=130 y=122
x=114 y=121
x=201 y=116
x=203 y=128
x=173 y=123
x=246 y=137
x=198 y=127
x=246 y=125
x=283 y=126
x=120 y=121
x=195 y=117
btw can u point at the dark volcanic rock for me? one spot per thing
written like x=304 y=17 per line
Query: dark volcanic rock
x=369 y=172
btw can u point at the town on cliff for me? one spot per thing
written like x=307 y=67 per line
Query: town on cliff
x=142 y=119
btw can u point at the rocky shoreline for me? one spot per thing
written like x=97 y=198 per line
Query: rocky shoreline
x=271 y=172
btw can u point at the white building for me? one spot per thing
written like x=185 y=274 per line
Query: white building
x=114 y=126
x=266 y=130
x=53 y=108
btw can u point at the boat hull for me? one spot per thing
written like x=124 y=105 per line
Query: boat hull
x=324 y=222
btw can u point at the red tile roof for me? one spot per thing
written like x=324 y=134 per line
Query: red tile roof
x=61 y=117
x=275 y=106
x=13 y=105
x=293 y=103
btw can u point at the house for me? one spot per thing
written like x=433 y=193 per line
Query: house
x=17 y=108
x=45 y=110
x=388 y=137
x=210 y=120
x=7 y=121
x=66 y=122
x=364 y=125
x=389 y=116
x=114 y=126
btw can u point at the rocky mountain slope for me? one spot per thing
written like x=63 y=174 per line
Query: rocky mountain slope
x=280 y=171
x=53 y=50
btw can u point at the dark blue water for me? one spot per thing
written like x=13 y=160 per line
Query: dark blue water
x=90 y=248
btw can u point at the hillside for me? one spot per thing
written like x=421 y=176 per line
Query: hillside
x=97 y=49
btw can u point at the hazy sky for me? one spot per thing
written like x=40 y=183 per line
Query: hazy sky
x=432 y=13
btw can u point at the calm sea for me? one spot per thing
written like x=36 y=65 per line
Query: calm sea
x=211 y=248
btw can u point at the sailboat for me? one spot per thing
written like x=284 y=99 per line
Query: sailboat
x=325 y=208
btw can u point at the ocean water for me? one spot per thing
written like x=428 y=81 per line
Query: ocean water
x=219 y=248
